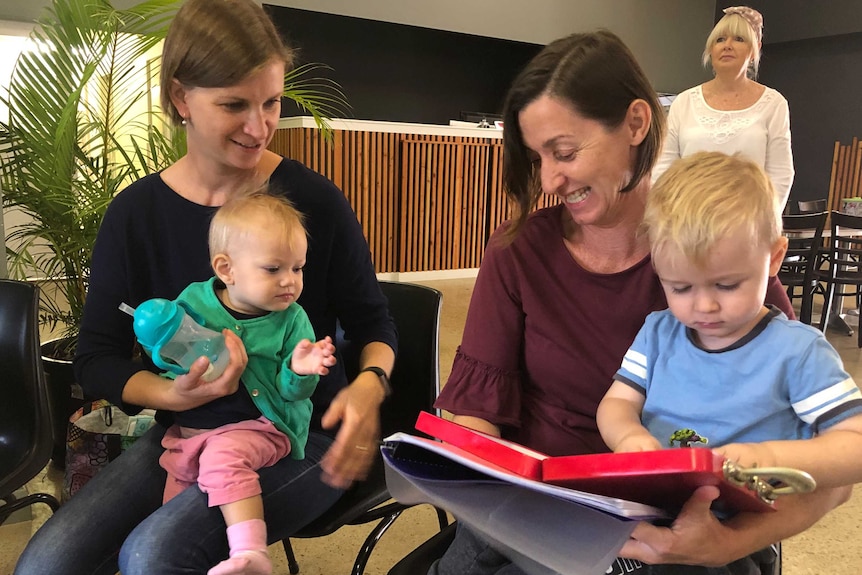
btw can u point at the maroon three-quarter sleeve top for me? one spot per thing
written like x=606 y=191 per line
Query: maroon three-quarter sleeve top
x=544 y=338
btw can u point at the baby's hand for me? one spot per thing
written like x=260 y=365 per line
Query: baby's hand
x=748 y=454
x=313 y=358
x=638 y=442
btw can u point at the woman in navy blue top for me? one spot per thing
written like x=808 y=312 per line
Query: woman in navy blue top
x=222 y=79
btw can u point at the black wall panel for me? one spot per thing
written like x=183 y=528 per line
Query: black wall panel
x=791 y=20
x=401 y=73
x=822 y=82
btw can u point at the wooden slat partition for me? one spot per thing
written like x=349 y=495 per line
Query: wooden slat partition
x=499 y=209
x=425 y=202
x=498 y=205
x=844 y=181
x=422 y=200
x=444 y=199
x=364 y=165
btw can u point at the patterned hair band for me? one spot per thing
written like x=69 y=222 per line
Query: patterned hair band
x=752 y=16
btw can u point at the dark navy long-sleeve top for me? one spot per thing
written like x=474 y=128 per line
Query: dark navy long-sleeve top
x=153 y=243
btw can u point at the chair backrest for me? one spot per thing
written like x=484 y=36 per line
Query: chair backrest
x=805 y=237
x=26 y=437
x=812 y=206
x=845 y=246
x=416 y=374
x=803 y=258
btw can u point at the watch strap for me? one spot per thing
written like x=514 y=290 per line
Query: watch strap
x=381 y=375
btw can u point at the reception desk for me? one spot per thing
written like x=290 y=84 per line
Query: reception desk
x=427 y=197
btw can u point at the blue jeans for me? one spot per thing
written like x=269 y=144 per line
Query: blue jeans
x=119 y=514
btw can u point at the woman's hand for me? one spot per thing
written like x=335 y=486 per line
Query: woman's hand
x=188 y=391
x=191 y=391
x=357 y=407
x=695 y=538
x=698 y=538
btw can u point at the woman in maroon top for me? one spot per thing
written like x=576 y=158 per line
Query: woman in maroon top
x=562 y=292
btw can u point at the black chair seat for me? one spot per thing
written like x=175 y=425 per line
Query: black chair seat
x=418 y=561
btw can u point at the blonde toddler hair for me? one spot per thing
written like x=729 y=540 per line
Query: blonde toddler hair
x=252 y=214
x=705 y=197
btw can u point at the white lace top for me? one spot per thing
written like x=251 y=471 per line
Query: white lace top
x=760 y=132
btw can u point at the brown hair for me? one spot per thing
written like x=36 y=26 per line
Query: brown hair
x=217 y=43
x=599 y=77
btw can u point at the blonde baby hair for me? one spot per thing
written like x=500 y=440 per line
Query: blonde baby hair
x=252 y=213
x=707 y=196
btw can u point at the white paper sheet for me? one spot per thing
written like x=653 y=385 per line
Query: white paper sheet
x=544 y=529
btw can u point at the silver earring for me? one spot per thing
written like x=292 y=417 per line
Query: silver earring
x=184 y=122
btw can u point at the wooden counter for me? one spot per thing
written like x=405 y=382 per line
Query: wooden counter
x=427 y=197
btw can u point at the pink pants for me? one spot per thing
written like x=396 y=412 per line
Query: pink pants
x=222 y=461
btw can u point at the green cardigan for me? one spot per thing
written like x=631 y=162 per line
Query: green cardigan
x=281 y=395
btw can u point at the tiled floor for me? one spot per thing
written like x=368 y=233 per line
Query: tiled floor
x=833 y=546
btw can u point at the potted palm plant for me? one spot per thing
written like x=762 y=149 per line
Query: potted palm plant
x=78 y=117
x=81 y=127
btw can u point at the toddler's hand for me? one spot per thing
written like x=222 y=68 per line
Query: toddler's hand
x=638 y=442
x=748 y=454
x=313 y=358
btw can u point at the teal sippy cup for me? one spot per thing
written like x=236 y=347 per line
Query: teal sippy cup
x=172 y=337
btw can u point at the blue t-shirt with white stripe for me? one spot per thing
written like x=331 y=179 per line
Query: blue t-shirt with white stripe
x=781 y=381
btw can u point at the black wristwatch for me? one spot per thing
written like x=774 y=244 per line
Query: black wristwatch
x=384 y=379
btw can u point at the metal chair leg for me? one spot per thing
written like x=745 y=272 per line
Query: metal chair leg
x=442 y=518
x=292 y=565
x=827 y=307
x=13 y=504
x=371 y=542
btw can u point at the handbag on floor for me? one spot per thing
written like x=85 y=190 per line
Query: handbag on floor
x=98 y=433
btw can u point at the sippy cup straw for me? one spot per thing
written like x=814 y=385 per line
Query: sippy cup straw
x=127 y=308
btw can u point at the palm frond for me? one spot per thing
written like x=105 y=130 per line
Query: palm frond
x=80 y=130
x=320 y=96
x=74 y=105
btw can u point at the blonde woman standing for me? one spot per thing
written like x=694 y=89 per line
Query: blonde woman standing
x=733 y=112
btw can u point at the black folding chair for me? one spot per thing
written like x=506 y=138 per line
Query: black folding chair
x=805 y=239
x=416 y=384
x=26 y=436
x=843 y=275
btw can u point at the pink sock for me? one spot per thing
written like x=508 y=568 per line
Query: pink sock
x=248 y=554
